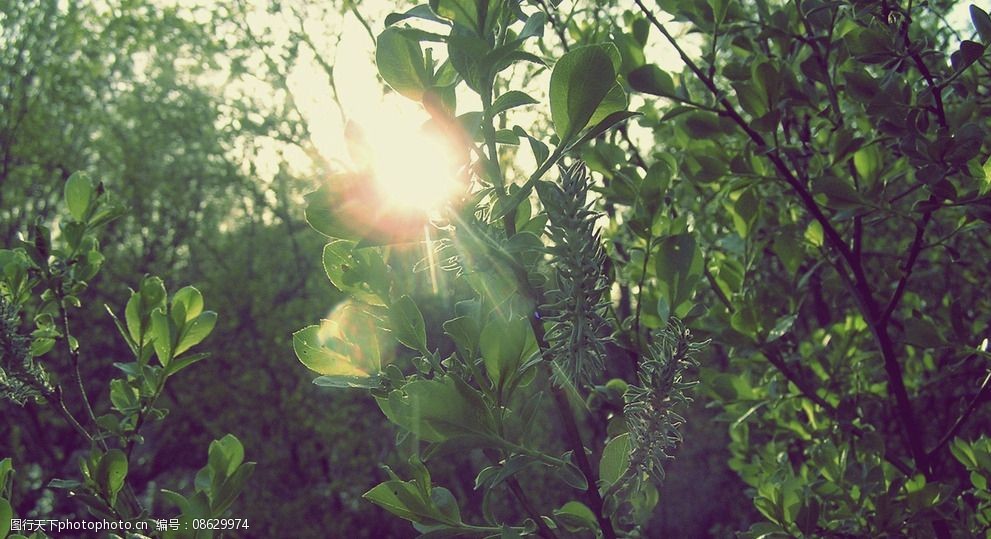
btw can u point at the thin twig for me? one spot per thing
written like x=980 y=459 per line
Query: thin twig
x=913 y=255
x=58 y=402
x=364 y=23
x=518 y=492
x=958 y=424
x=920 y=64
x=73 y=355
x=643 y=278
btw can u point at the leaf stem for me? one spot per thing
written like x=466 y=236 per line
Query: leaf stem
x=643 y=278
x=73 y=354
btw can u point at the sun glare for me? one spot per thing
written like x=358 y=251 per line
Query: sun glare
x=414 y=166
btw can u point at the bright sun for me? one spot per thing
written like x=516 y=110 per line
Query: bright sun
x=415 y=168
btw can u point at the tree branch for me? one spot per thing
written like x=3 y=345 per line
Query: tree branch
x=913 y=255
x=809 y=392
x=859 y=284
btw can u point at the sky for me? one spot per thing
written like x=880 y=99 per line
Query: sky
x=378 y=111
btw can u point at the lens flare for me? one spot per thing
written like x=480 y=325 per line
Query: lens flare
x=419 y=172
x=416 y=163
x=349 y=342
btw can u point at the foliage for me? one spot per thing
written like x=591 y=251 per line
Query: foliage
x=795 y=153
x=42 y=279
x=833 y=157
x=532 y=307
x=162 y=102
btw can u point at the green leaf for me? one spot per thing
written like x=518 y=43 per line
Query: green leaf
x=861 y=85
x=163 y=331
x=962 y=451
x=494 y=475
x=421 y=11
x=868 y=163
x=580 y=81
x=505 y=345
x=509 y=100
x=752 y=101
x=464 y=332
x=615 y=101
x=152 y=294
x=307 y=343
x=652 y=80
x=534 y=26
x=340 y=381
x=6 y=514
x=78 y=195
x=178 y=364
x=604 y=125
x=615 y=459
x=123 y=397
x=507 y=136
x=407 y=324
x=678 y=266
x=135 y=329
x=322 y=209
x=466 y=13
x=191 y=300
x=177 y=500
x=111 y=471
x=438 y=409
x=225 y=455
x=814 y=234
x=539 y=149
x=41 y=346
x=446 y=504
x=231 y=489
x=641 y=31
x=767 y=80
x=337 y=262
x=404 y=499
x=982 y=22
x=6 y=468
x=968 y=53
x=745 y=210
x=576 y=516
x=386 y=496
x=840 y=192
x=325 y=350
x=781 y=327
x=572 y=475
x=195 y=331
x=468 y=53
x=122 y=330
x=62 y=484
x=400 y=63
x=361 y=273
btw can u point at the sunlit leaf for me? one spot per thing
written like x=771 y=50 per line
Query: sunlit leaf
x=401 y=64
x=580 y=81
x=79 y=194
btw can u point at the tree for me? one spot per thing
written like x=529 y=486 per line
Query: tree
x=812 y=148
x=840 y=217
